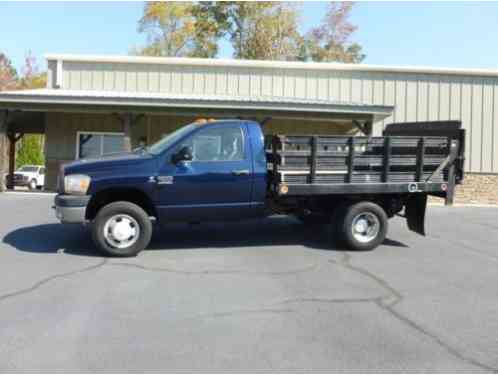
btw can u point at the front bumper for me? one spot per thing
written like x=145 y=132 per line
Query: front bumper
x=71 y=208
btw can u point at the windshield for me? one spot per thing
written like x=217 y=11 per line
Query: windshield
x=28 y=168
x=169 y=140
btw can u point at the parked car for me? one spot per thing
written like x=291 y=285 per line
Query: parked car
x=222 y=171
x=31 y=176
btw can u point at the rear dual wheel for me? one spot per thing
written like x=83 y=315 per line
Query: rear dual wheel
x=360 y=226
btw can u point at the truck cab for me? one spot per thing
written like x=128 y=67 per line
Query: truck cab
x=203 y=171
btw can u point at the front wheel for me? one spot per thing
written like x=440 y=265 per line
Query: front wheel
x=121 y=229
x=363 y=226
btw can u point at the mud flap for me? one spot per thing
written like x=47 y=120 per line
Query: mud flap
x=415 y=212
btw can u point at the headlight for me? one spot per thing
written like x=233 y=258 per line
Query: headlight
x=76 y=184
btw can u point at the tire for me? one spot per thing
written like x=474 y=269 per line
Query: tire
x=363 y=226
x=127 y=219
x=32 y=184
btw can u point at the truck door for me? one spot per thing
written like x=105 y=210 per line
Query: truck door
x=216 y=184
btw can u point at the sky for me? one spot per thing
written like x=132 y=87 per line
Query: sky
x=440 y=34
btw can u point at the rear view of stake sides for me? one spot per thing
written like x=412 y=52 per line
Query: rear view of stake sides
x=227 y=170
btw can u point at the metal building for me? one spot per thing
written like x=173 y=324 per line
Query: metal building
x=142 y=98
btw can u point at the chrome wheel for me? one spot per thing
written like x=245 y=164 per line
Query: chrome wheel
x=366 y=227
x=121 y=231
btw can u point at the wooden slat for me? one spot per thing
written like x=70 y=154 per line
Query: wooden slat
x=351 y=159
x=387 y=159
x=420 y=159
x=314 y=141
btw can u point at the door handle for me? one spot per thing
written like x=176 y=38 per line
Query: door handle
x=241 y=172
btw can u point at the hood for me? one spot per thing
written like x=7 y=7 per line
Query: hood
x=112 y=161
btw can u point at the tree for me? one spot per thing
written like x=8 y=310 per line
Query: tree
x=181 y=29
x=8 y=74
x=331 y=41
x=262 y=30
x=30 y=147
x=30 y=150
x=31 y=76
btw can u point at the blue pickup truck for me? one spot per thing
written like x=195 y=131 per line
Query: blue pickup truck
x=228 y=170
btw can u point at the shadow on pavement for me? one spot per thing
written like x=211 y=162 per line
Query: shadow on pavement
x=49 y=238
x=274 y=231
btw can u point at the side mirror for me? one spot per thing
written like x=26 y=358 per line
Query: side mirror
x=185 y=154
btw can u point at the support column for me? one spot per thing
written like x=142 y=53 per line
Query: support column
x=128 y=120
x=3 y=149
x=13 y=139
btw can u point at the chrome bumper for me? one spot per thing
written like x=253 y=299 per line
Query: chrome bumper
x=71 y=209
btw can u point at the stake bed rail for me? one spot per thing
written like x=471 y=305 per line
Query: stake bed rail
x=409 y=158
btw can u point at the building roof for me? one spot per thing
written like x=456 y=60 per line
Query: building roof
x=271 y=64
x=92 y=100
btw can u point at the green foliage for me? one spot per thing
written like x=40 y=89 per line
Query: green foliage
x=262 y=30
x=31 y=78
x=30 y=150
x=8 y=74
x=331 y=41
x=180 y=29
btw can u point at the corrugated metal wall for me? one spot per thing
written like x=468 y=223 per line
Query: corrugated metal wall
x=416 y=96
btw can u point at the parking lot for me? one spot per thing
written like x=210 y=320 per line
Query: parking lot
x=263 y=295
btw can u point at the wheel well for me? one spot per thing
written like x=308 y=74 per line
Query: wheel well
x=104 y=197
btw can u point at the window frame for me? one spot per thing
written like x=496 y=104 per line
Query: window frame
x=244 y=148
x=83 y=132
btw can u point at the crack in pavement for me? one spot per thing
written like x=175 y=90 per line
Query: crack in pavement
x=223 y=314
x=470 y=249
x=213 y=272
x=386 y=302
x=48 y=279
x=455 y=352
x=395 y=297
x=326 y=300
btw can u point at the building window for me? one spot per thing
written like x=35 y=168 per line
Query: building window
x=96 y=144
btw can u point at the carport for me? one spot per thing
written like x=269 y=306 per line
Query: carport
x=32 y=111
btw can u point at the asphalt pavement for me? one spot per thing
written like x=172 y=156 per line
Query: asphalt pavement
x=265 y=295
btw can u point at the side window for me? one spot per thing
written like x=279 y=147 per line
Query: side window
x=42 y=171
x=224 y=143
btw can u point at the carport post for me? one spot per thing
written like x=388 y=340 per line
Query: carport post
x=3 y=148
x=128 y=120
x=13 y=138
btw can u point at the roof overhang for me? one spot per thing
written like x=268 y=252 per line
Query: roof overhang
x=315 y=66
x=45 y=100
